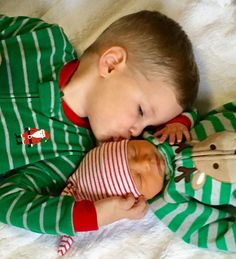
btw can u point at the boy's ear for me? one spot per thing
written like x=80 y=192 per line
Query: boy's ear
x=112 y=59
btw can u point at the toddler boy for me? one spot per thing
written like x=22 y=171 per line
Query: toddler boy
x=139 y=72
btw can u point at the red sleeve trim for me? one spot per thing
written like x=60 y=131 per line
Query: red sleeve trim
x=84 y=216
x=181 y=119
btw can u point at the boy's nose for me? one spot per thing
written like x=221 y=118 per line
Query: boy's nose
x=135 y=131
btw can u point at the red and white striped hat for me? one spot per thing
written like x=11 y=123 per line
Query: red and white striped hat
x=104 y=172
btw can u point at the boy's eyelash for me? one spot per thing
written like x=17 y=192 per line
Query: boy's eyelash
x=140 y=110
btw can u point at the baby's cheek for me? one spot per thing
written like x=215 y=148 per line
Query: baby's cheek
x=137 y=182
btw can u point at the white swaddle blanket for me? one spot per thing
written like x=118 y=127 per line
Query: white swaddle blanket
x=211 y=25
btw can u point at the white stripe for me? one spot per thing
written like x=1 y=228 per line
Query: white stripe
x=66 y=135
x=198 y=194
x=100 y=156
x=208 y=126
x=56 y=170
x=10 y=192
x=33 y=182
x=212 y=218
x=52 y=98
x=37 y=25
x=40 y=80
x=20 y=27
x=8 y=215
x=108 y=181
x=25 y=215
x=41 y=217
x=112 y=161
x=13 y=21
x=24 y=64
x=230 y=239
x=189 y=220
x=80 y=139
x=215 y=193
x=86 y=180
x=226 y=122
x=94 y=176
x=160 y=202
x=99 y=182
x=53 y=53
x=90 y=178
x=36 y=43
x=212 y=234
x=64 y=48
x=73 y=165
x=53 y=138
x=58 y=216
x=81 y=182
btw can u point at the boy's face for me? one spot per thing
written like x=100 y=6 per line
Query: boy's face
x=125 y=103
x=147 y=167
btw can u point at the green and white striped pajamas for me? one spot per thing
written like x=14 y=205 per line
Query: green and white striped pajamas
x=33 y=175
x=198 y=201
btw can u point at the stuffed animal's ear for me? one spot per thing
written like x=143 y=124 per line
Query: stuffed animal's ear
x=198 y=180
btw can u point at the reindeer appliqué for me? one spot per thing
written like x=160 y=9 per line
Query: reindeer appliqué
x=215 y=157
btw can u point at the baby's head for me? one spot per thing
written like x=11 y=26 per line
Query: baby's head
x=148 y=53
x=119 y=168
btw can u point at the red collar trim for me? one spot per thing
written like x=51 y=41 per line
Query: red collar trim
x=66 y=73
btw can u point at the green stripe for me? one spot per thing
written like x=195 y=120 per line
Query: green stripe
x=225 y=193
x=231 y=106
x=179 y=219
x=198 y=224
x=207 y=190
x=223 y=226
x=166 y=209
x=188 y=163
x=216 y=123
x=200 y=131
x=203 y=236
x=232 y=119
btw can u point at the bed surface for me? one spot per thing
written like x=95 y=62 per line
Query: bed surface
x=211 y=25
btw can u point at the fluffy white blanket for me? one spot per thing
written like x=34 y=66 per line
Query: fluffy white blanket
x=211 y=25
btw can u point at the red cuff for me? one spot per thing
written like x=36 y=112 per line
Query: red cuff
x=84 y=216
x=181 y=119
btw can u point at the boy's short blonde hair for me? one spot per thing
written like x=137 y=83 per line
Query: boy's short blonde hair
x=156 y=46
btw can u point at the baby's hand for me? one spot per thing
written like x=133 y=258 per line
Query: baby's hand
x=174 y=131
x=112 y=209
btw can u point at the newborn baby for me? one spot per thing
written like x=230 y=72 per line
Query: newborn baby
x=116 y=168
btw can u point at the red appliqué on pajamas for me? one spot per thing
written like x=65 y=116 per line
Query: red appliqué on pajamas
x=32 y=136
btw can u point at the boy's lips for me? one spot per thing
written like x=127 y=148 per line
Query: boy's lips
x=117 y=138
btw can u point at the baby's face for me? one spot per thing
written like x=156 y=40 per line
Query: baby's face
x=147 y=167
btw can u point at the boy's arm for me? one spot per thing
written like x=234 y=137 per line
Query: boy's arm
x=199 y=224
x=30 y=198
x=177 y=128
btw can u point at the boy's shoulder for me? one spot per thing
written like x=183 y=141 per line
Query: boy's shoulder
x=14 y=26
